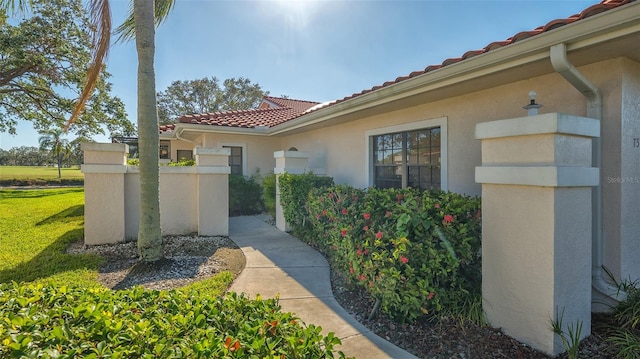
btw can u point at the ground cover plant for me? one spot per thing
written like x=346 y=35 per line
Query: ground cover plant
x=39 y=176
x=48 y=321
x=52 y=305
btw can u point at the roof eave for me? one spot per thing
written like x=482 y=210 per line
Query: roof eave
x=597 y=29
x=189 y=127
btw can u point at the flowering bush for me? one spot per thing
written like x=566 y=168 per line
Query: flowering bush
x=415 y=252
x=294 y=191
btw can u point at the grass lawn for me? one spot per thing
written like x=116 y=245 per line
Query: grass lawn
x=39 y=176
x=36 y=226
x=38 y=172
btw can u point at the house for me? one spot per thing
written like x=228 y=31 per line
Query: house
x=352 y=138
x=422 y=130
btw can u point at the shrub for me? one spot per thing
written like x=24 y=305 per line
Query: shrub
x=48 y=321
x=269 y=193
x=183 y=162
x=245 y=196
x=415 y=252
x=294 y=192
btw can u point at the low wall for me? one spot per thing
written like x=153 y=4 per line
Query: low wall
x=192 y=199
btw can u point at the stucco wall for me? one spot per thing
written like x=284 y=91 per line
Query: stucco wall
x=258 y=150
x=629 y=183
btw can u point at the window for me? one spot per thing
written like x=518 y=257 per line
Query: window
x=408 y=155
x=165 y=150
x=235 y=159
x=185 y=154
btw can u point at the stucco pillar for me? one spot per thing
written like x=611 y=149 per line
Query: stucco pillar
x=212 y=168
x=293 y=162
x=536 y=178
x=104 y=204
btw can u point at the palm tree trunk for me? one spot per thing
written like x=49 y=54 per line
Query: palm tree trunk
x=149 y=234
x=58 y=156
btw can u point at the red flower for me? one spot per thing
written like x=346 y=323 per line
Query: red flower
x=343 y=232
x=317 y=216
x=339 y=201
x=399 y=197
x=331 y=195
x=378 y=235
x=366 y=251
x=324 y=212
x=404 y=259
x=437 y=205
x=430 y=295
x=448 y=218
x=366 y=216
x=359 y=252
x=344 y=211
x=362 y=277
x=365 y=228
x=351 y=270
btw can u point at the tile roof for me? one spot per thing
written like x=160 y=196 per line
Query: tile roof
x=273 y=111
x=288 y=109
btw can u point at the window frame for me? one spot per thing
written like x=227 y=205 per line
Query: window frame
x=244 y=154
x=407 y=127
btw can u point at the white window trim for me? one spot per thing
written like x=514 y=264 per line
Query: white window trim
x=244 y=154
x=436 y=122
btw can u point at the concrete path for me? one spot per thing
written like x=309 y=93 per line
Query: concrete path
x=278 y=263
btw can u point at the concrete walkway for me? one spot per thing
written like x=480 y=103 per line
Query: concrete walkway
x=278 y=263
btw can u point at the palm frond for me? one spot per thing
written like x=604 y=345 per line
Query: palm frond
x=126 y=31
x=100 y=18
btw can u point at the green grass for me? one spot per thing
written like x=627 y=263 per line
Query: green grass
x=37 y=172
x=39 y=176
x=36 y=226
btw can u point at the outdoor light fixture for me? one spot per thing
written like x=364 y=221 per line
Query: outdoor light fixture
x=532 y=107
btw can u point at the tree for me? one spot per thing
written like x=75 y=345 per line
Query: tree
x=205 y=95
x=139 y=24
x=43 y=62
x=52 y=141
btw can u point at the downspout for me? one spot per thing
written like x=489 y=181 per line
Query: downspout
x=604 y=291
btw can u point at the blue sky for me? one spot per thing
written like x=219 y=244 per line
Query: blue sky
x=314 y=50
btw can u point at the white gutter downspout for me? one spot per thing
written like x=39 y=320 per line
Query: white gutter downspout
x=607 y=293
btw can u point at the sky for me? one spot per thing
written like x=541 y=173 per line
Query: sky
x=313 y=50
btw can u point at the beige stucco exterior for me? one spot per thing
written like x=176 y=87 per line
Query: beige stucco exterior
x=341 y=145
x=536 y=225
x=193 y=199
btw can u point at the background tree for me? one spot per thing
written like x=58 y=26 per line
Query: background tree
x=43 y=64
x=206 y=95
x=58 y=147
x=139 y=24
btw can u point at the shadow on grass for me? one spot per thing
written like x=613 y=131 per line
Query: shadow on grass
x=51 y=261
x=36 y=193
x=66 y=215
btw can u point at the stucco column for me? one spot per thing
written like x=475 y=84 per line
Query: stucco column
x=212 y=168
x=536 y=178
x=104 y=204
x=293 y=162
